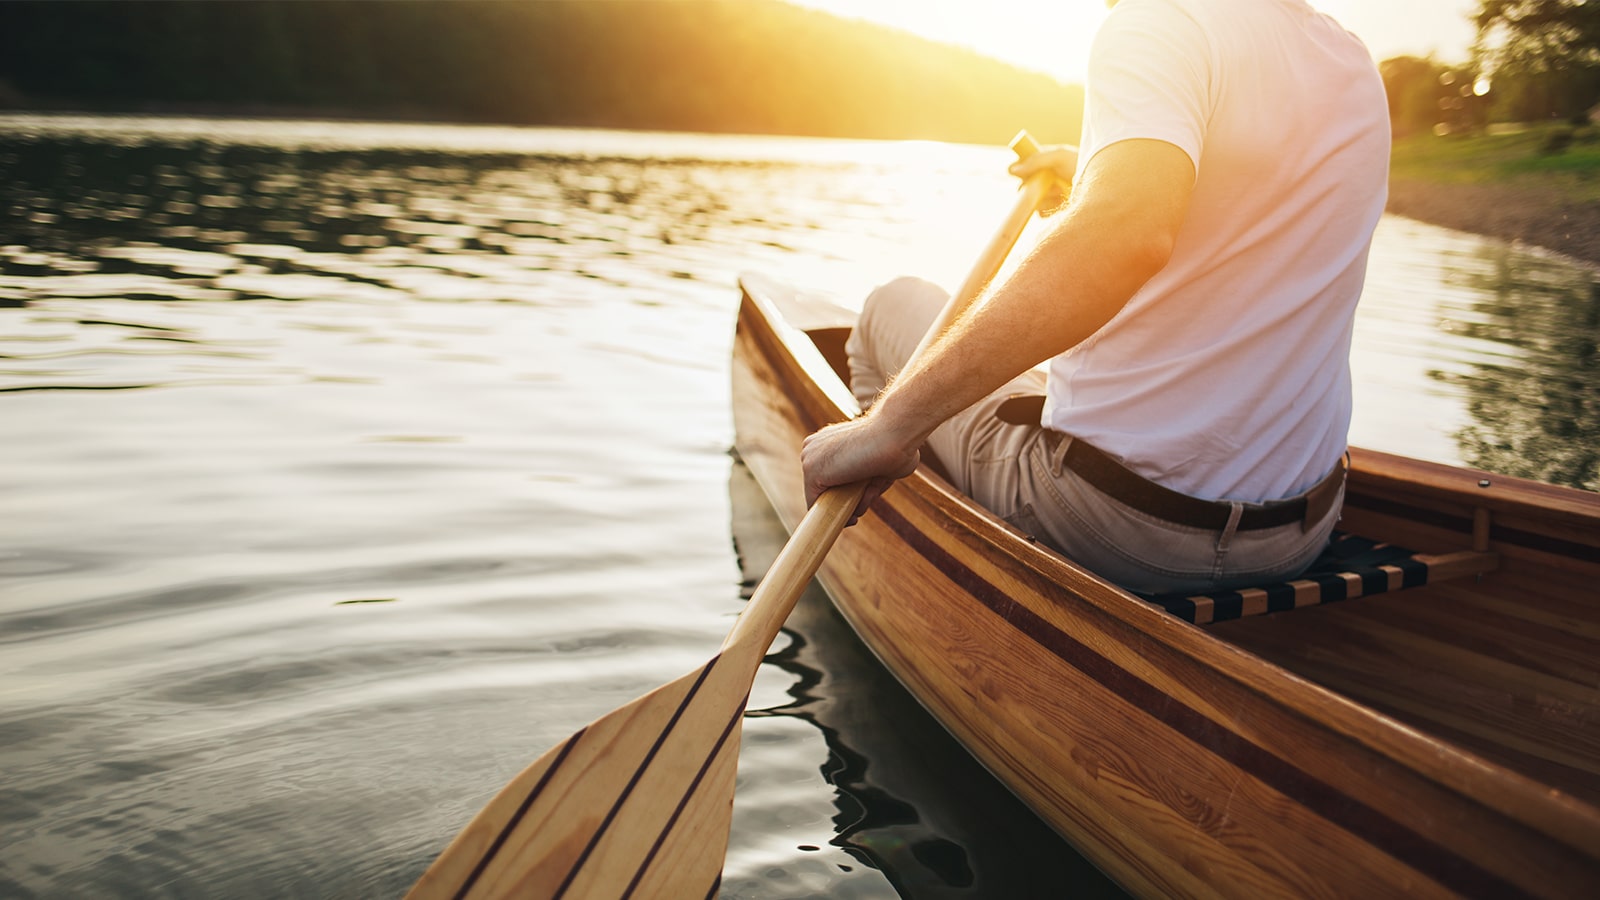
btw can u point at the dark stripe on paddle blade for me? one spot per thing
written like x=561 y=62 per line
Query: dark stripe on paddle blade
x=633 y=782
x=684 y=801
x=1440 y=863
x=522 y=810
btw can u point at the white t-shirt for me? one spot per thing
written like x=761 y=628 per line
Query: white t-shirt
x=1227 y=376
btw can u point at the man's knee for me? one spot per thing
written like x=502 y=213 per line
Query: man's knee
x=893 y=320
x=903 y=296
x=895 y=314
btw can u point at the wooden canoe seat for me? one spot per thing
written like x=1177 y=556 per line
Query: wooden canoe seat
x=1351 y=567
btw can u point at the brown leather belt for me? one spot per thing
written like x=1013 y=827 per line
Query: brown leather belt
x=1123 y=484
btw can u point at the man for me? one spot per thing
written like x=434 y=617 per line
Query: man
x=1194 y=299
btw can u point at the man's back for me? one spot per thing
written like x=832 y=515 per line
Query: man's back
x=1227 y=375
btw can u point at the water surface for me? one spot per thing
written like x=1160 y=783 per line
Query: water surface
x=349 y=466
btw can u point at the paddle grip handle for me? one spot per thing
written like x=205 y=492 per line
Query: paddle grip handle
x=1023 y=145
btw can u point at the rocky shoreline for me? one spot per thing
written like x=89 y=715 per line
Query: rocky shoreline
x=1542 y=217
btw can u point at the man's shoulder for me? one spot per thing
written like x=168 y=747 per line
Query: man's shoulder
x=1181 y=21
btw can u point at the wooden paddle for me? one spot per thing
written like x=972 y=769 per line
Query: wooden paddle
x=638 y=803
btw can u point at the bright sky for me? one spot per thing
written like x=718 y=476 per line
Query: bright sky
x=1053 y=35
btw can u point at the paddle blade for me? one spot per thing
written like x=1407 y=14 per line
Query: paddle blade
x=635 y=805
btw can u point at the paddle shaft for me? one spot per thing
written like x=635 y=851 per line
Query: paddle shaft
x=799 y=560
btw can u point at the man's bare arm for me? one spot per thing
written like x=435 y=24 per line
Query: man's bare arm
x=1116 y=232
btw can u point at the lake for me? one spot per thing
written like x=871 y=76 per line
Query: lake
x=349 y=466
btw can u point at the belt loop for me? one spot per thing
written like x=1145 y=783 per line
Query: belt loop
x=1225 y=539
x=1320 y=499
x=1058 y=455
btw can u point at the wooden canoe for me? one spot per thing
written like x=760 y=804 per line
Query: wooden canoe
x=1441 y=740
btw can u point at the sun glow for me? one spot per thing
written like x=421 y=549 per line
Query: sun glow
x=1050 y=36
x=1053 y=36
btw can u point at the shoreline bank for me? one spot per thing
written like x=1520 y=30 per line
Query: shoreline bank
x=1544 y=218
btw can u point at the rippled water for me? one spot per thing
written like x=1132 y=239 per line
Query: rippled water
x=346 y=467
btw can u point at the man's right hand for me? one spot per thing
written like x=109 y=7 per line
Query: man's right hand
x=1062 y=162
x=858 y=450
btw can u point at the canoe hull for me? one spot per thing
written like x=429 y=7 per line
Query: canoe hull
x=1179 y=764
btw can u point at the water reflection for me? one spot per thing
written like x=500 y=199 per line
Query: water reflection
x=1537 y=413
x=221 y=222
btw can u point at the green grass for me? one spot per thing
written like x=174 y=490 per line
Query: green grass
x=1520 y=158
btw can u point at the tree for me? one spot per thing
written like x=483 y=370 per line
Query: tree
x=1426 y=95
x=1412 y=84
x=760 y=66
x=1549 y=50
x=1416 y=93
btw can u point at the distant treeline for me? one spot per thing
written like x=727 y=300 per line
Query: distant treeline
x=751 y=66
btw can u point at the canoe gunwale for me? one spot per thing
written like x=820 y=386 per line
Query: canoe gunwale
x=1561 y=818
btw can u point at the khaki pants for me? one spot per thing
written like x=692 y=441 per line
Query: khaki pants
x=1016 y=472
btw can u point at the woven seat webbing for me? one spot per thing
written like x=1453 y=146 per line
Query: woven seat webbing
x=1350 y=567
